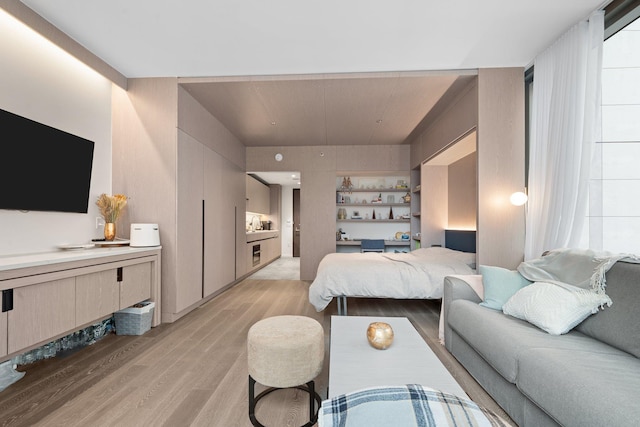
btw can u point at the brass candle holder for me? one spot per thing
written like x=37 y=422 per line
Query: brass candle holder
x=380 y=335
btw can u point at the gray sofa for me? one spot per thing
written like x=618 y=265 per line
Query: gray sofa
x=587 y=377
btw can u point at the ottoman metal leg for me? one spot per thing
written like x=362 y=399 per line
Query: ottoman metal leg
x=309 y=388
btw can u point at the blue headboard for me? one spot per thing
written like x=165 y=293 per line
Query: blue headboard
x=460 y=240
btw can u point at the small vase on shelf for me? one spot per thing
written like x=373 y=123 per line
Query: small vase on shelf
x=110 y=231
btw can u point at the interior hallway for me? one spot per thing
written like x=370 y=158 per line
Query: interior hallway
x=283 y=268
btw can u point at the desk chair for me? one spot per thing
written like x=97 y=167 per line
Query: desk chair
x=372 y=245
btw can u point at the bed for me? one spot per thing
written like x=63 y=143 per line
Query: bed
x=418 y=274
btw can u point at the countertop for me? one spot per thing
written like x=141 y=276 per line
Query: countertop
x=252 y=236
x=10 y=262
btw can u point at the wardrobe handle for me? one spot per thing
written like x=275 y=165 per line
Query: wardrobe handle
x=7 y=300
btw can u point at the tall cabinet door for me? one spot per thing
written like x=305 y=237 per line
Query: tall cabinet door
x=188 y=289
x=235 y=185
x=220 y=222
x=214 y=225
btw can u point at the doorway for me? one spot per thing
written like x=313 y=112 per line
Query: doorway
x=296 y=222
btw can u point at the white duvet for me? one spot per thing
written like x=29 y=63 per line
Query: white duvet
x=418 y=274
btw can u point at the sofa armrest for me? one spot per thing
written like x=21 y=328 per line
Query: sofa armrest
x=467 y=287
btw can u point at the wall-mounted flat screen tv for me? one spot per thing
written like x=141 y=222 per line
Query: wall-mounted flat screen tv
x=43 y=168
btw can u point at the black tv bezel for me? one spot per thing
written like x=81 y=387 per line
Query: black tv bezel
x=43 y=168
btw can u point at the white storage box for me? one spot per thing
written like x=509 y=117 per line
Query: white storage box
x=143 y=235
x=134 y=320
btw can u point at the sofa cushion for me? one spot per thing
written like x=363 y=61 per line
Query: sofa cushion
x=499 y=285
x=619 y=325
x=554 y=308
x=501 y=339
x=582 y=388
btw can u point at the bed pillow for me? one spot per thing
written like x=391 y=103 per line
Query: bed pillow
x=468 y=258
x=499 y=285
x=554 y=308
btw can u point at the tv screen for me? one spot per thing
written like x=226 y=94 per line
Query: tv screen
x=43 y=168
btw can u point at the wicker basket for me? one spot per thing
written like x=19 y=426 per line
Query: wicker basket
x=134 y=320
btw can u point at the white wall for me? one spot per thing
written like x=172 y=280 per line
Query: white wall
x=286 y=231
x=614 y=222
x=43 y=83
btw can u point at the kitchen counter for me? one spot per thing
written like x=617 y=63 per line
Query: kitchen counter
x=253 y=236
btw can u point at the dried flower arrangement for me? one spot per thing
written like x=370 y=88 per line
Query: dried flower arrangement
x=111 y=206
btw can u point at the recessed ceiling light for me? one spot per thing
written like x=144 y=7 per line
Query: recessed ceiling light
x=379 y=121
x=279 y=157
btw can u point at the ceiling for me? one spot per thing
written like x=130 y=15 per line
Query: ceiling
x=328 y=72
x=287 y=72
x=324 y=110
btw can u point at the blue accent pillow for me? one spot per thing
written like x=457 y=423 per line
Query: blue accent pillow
x=499 y=285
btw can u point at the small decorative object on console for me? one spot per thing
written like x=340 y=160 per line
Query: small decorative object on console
x=110 y=208
x=380 y=335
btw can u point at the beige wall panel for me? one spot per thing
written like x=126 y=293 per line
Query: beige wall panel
x=201 y=125
x=368 y=158
x=433 y=204
x=317 y=220
x=500 y=166
x=144 y=160
x=313 y=158
x=456 y=121
x=463 y=193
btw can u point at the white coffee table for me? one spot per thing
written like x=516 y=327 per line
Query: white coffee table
x=355 y=364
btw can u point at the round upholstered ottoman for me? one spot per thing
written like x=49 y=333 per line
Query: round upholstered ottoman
x=285 y=352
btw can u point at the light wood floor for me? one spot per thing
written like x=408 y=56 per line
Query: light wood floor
x=194 y=372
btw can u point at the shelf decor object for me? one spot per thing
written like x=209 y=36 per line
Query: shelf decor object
x=110 y=208
x=110 y=231
x=347 y=185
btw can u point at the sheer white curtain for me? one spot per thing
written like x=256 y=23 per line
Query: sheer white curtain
x=565 y=122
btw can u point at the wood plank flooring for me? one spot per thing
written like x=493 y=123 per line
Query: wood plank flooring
x=194 y=372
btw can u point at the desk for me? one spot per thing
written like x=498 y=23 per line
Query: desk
x=354 y=245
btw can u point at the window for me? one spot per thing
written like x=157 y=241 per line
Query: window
x=614 y=192
x=614 y=212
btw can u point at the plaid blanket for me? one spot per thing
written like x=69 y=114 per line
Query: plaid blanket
x=405 y=406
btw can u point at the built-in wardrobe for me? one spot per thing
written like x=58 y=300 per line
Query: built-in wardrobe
x=183 y=170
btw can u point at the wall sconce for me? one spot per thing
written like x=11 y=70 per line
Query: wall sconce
x=518 y=198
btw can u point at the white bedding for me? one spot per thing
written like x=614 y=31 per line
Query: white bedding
x=418 y=274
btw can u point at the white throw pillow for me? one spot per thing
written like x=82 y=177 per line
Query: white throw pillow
x=554 y=308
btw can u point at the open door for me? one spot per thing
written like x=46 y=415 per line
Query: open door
x=296 y=222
